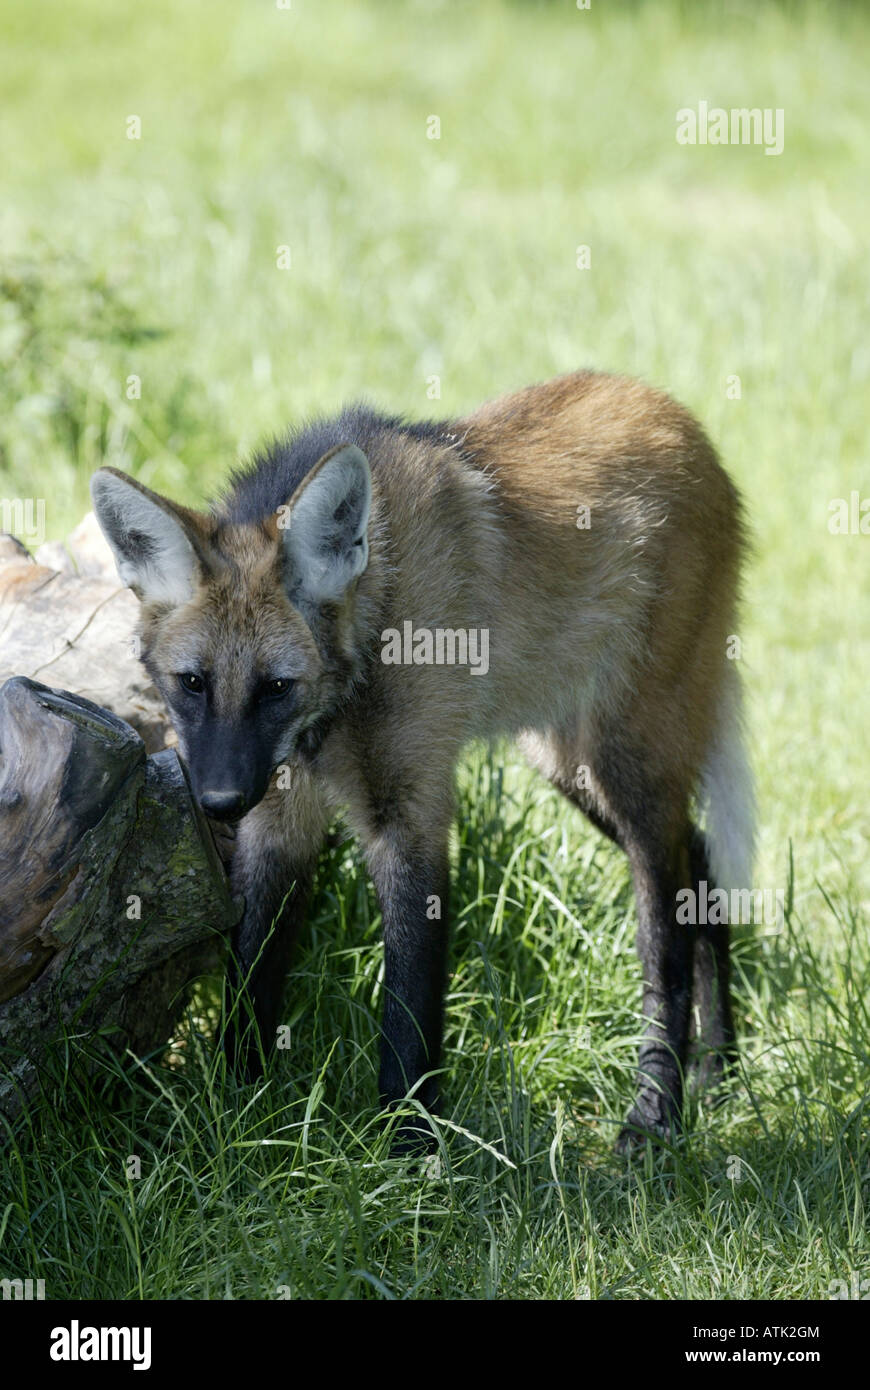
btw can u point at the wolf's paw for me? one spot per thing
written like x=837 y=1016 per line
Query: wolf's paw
x=713 y=1071
x=413 y=1140
x=646 y=1128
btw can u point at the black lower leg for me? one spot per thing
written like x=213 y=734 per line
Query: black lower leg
x=275 y=902
x=413 y=895
x=665 y=950
x=715 y=1043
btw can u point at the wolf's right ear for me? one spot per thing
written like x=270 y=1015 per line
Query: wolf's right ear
x=153 y=553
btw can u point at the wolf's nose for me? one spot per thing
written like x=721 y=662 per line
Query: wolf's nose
x=223 y=805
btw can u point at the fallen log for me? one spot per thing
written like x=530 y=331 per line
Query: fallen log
x=113 y=897
x=66 y=620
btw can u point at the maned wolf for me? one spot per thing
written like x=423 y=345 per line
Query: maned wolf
x=562 y=565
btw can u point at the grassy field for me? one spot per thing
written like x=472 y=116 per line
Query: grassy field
x=414 y=258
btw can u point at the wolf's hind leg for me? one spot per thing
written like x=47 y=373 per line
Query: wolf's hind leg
x=632 y=793
x=715 y=1037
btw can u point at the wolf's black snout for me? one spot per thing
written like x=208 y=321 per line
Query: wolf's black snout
x=223 y=805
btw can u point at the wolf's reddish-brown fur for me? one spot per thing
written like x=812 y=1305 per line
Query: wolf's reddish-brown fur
x=586 y=525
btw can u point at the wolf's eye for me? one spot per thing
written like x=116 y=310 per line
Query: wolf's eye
x=192 y=683
x=274 y=689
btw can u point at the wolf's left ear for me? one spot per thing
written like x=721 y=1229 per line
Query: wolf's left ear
x=325 y=539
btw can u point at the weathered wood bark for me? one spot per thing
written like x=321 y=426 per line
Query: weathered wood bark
x=112 y=894
x=66 y=619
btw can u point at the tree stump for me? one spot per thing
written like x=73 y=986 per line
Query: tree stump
x=113 y=897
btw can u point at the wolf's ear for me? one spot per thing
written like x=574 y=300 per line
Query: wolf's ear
x=325 y=538
x=152 y=550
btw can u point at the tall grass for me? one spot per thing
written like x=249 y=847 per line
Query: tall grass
x=414 y=259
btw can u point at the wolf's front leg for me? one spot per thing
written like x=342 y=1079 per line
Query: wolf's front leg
x=412 y=883
x=273 y=864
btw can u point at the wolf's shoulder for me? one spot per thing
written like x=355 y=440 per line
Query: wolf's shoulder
x=258 y=488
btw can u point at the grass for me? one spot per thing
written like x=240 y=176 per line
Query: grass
x=456 y=258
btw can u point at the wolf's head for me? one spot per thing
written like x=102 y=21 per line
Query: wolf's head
x=248 y=629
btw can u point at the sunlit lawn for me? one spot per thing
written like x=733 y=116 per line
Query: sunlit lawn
x=455 y=258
